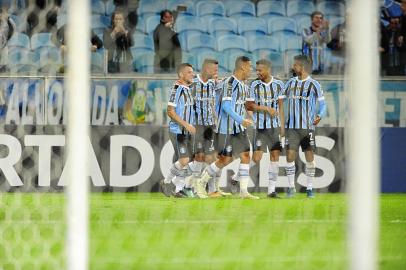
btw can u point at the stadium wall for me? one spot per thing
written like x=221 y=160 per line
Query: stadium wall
x=130 y=145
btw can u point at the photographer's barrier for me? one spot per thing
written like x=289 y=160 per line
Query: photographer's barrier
x=129 y=146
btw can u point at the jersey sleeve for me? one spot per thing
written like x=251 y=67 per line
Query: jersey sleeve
x=319 y=91
x=174 y=97
x=251 y=92
x=281 y=90
x=228 y=90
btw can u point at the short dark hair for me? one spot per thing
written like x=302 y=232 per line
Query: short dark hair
x=305 y=61
x=163 y=12
x=264 y=62
x=316 y=13
x=210 y=61
x=182 y=66
x=240 y=60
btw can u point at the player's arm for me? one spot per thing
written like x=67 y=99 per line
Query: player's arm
x=171 y=110
x=281 y=116
x=227 y=107
x=322 y=105
x=252 y=106
x=175 y=117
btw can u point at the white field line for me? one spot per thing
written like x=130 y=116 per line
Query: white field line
x=186 y=221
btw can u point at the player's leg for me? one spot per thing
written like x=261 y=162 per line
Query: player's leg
x=176 y=173
x=273 y=170
x=292 y=146
x=308 y=145
x=241 y=145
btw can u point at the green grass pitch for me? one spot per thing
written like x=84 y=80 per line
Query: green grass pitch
x=149 y=231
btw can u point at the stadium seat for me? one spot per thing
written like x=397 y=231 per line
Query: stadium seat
x=146 y=9
x=30 y=64
x=98 y=7
x=252 y=27
x=331 y=8
x=183 y=38
x=264 y=43
x=239 y=8
x=151 y=23
x=335 y=20
x=190 y=6
x=49 y=58
x=110 y=7
x=191 y=24
x=98 y=22
x=135 y=52
x=62 y=19
x=286 y=25
x=195 y=42
x=299 y=7
x=211 y=8
x=142 y=41
x=302 y=21
x=288 y=58
x=211 y=54
x=191 y=59
x=97 y=61
x=271 y=8
x=19 y=40
x=39 y=40
x=292 y=44
x=144 y=63
x=232 y=43
x=222 y=26
x=230 y=57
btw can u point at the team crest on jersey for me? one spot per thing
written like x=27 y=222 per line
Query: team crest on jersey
x=182 y=150
x=259 y=142
x=229 y=148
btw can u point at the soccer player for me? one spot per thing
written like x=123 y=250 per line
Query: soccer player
x=232 y=124
x=267 y=106
x=203 y=90
x=181 y=130
x=302 y=93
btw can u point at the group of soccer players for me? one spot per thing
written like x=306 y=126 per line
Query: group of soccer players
x=209 y=119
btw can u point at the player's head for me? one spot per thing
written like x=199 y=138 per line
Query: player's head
x=243 y=66
x=263 y=69
x=317 y=18
x=185 y=73
x=210 y=68
x=302 y=64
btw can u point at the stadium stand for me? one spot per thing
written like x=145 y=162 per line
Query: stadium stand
x=236 y=9
x=210 y=8
x=227 y=26
x=265 y=9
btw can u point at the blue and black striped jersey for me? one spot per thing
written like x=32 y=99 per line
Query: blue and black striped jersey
x=301 y=101
x=181 y=98
x=204 y=96
x=266 y=94
x=236 y=92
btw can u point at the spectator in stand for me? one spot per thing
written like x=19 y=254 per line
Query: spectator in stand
x=60 y=41
x=337 y=46
x=315 y=39
x=7 y=27
x=402 y=38
x=391 y=45
x=35 y=21
x=168 y=52
x=131 y=12
x=118 y=40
